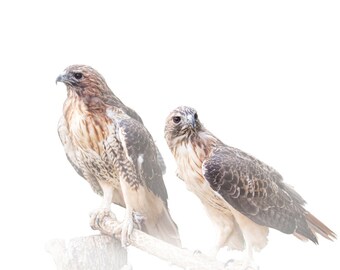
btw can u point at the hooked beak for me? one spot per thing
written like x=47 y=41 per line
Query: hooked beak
x=61 y=78
x=66 y=78
x=191 y=121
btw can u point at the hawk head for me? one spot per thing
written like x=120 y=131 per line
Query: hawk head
x=181 y=124
x=83 y=80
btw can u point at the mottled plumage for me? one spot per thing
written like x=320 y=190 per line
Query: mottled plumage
x=108 y=145
x=243 y=195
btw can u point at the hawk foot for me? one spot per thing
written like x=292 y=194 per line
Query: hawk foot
x=97 y=216
x=241 y=265
x=124 y=230
x=197 y=252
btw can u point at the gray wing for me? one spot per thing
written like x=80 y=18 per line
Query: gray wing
x=256 y=190
x=130 y=112
x=142 y=151
x=160 y=159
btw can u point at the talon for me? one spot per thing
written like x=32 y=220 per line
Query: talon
x=241 y=265
x=97 y=216
x=117 y=231
x=197 y=252
x=229 y=262
x=127 y=228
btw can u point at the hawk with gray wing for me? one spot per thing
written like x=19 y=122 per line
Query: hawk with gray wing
x=108 y=145
x=242 y=195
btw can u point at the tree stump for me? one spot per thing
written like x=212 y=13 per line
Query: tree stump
x=104 y=252
x=88 y=253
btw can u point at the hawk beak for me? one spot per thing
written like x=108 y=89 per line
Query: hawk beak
x=191 y=121
x=61 y=78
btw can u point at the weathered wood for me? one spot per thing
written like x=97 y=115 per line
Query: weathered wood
x=183 y=258
x=88 y=253
x=104 y=252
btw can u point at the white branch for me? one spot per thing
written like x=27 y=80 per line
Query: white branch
x=183 y=258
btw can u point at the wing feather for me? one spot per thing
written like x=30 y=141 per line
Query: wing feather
x=256 y=190
x=141 y=151
x=115 y=102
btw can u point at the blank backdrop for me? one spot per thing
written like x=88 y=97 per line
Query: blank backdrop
x=263 y=76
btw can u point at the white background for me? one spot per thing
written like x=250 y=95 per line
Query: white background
x=263 y=76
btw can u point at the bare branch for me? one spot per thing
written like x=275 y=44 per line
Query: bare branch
x=183 y=258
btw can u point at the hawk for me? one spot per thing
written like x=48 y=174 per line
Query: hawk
x=108 y=145
x=242 y=195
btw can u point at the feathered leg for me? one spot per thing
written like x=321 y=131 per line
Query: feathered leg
x=224 y=233
x=126 y=227
x=229 y=232
x=105 y=209
x=255 y=237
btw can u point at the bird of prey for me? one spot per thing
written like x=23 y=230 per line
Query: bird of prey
x=108 y=145
x=242 y=195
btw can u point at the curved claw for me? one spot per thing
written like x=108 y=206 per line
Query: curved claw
x=127 y=228
x=197 y=252
x=97 y=216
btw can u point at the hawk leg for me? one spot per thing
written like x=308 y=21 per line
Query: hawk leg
x=224 y=233
x=124 y=229
x=104 y=210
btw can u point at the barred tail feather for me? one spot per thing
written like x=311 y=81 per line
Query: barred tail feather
x=318 y=227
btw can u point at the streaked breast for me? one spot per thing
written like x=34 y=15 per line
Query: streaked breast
x=87 y=130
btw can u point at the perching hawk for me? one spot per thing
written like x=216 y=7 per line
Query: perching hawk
x=108 y=145
x=242 y=195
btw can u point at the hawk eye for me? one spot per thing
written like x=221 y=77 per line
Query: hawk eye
x=195 y=116
x=176 y=119
x=78 y=75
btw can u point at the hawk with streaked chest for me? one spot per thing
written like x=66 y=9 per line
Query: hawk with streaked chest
x=108 y=145
x=242 y=195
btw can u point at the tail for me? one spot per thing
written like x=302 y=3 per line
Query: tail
x=316 y=227
x=164 y=228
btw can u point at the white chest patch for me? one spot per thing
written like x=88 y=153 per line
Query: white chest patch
x=189 y=162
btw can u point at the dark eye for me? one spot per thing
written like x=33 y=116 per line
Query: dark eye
x=195 y=116
x=78 y=75
x=176 y=119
